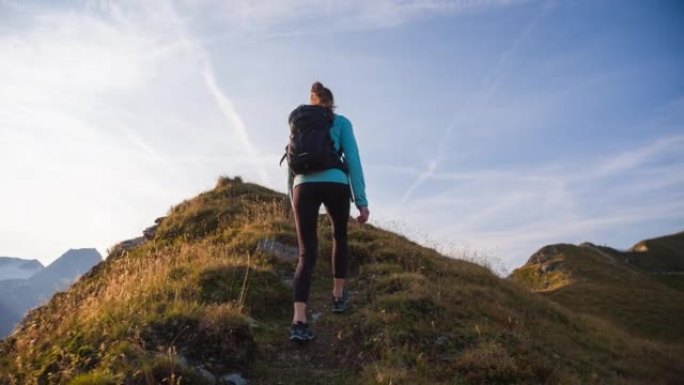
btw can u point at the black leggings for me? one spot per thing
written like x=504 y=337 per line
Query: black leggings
x=306 y=200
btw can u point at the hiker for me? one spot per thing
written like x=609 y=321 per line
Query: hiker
x=322 y=169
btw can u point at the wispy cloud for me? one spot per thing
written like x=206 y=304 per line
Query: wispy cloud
x=630 y=160
x=271 y=18
x=512 y=212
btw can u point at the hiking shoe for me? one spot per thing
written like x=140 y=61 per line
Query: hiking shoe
x=300 y=332
x=341 y=304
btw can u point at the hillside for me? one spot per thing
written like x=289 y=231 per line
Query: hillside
x=662 y=257
x=620 y=287
x=204 y=301
x=659 y=255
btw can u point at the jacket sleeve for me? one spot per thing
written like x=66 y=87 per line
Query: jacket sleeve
x=353 y=159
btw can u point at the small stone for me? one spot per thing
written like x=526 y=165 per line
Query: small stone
x=252 y=322
x=150 y=232
x=233 y=379
x=207 y=375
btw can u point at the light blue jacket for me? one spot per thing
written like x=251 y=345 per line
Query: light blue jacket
x=342 y=135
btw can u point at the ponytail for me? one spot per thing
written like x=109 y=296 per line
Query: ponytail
x=324 y=95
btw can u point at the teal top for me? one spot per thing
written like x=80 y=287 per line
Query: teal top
x=342 y=135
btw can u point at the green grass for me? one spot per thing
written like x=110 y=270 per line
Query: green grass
x=603 y=285
x=662 y=254
x=200 y=295
x=95 y=378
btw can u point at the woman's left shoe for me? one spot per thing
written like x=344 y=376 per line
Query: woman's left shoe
x=341 y=304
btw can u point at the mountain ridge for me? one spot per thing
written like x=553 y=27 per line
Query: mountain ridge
x=18 y=268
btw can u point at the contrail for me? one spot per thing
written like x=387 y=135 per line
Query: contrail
x=228 y=110
x=226 y=107
x=419 y=181
x=491 y=83
x=224 y=104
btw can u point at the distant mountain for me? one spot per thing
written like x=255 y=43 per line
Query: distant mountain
x=640 y=290
x=61 y=273
x=21 y=294
x=8 y=317
x=17 y=268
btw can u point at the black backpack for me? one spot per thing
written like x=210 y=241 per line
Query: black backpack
x=311 y=149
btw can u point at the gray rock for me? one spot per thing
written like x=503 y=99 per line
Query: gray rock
x=233 y=379
x=207 y=375
x=545 y=254
x=283 y=252
x=125 y=246
x=549 y=267
x=150 y=232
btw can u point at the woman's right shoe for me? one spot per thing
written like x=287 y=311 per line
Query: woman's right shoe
x=301 y=332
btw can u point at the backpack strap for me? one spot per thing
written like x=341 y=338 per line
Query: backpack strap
x=283 y=158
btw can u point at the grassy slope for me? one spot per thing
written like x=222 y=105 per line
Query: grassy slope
x=663 y=254
x=201 y=295
x=596 y=281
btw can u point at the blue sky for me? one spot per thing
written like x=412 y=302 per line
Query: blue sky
x=487 y=129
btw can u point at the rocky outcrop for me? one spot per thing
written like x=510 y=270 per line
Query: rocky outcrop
x=148 y=234
x=544 y=254
x=282 y=252
x=124 y=246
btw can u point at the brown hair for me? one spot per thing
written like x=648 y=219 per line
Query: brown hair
x=324 y=94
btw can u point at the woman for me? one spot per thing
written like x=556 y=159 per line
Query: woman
x=331 y=187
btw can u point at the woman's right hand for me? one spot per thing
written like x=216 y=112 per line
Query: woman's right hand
x=363 y=215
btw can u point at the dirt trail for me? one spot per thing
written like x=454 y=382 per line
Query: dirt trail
x=324 y=360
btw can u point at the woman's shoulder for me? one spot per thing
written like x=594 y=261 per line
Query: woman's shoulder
x=342 y=121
